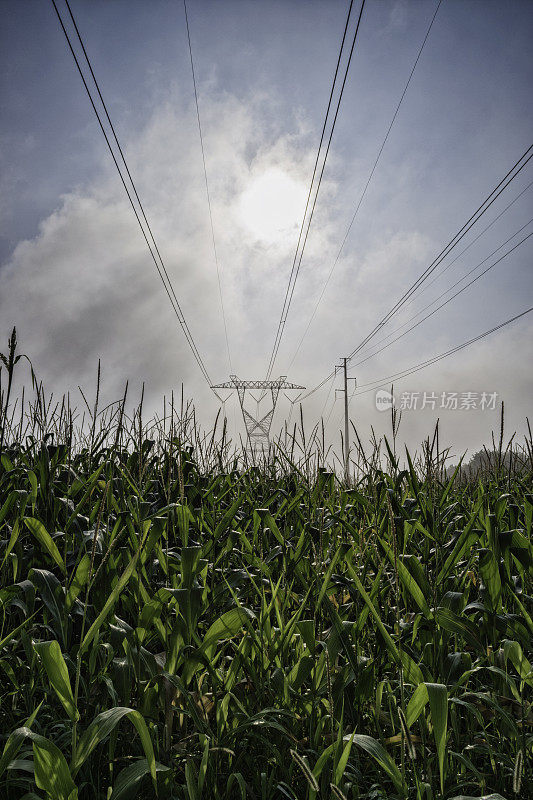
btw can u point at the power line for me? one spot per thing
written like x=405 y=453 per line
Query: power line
x=327 y=398
x=485 y=205
x=417 y=367
x=296 y=267
x=447 y=267
x=207 y=188
x=148 y=237
x=363 y=193
x=473 y=219
x=441 y=272
x=315 y=167
x=300 y=251
x=466 y=286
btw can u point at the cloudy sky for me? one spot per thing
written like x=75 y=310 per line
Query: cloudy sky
x=76 y=277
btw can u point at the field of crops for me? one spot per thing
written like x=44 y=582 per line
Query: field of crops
x=176 y=623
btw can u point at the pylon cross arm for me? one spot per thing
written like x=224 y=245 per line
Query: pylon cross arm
x=235 y=383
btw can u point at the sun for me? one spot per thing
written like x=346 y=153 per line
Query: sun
x=271 y=207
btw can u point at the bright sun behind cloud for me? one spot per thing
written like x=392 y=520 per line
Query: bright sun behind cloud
x=272 y=206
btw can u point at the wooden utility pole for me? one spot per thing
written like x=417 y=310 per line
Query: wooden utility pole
x=346 y=428
x=344 y=367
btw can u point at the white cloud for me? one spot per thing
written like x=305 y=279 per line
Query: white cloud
x=85 y=287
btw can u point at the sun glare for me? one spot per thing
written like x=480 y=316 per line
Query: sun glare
x=272 y=205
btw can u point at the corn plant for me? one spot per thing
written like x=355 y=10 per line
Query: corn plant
x=179 y=623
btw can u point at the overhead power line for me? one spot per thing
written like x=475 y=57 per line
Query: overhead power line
x=440 y=273
x=460 y=291
x=367 y=184
x=131 y=191
x=302 y=238
x=423 y=364
x=473 y=219
x=207 y=188
x=476 y=216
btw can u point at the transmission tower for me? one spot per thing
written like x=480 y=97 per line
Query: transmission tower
x=258 y=428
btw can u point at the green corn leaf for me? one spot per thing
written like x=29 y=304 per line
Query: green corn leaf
x=327 y=577
x=190 y=557
x=12 y=746
x=191 y=779
x=237 y=777
x=51 y=770
x=467 y=538
x=34 y=488
x=438 y=703
x=491 y=578
x=110 y=602
x=411 y=671
x=523 y=611
x=343 y=760
x=378 y=752
x=155 y=533
x=413 y=478
x=129 y=780
x=184 y=517
x=6 y=507
x=51 y=592
x=202 y=772
x=78 y=581
x=301 y=672
x=417 y=571
x=461 y=625
x=227 y=519
x=416 y=704
x=56 y=669
x=306 y=629
x=322 y=759
x=408 y=581
x=101 y=727
x=450 y=483
x=192 y=708
x=385 y=634
x=89 y=485
x=15 y=740
x=345 y=640
x=12 y=541
x=45 y=540
x=271 y=523
x=363 y=616
x=513 y=652
x=226 y=626
x=437 y=696
x=15 y=631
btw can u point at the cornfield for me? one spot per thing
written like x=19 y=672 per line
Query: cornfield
x=177 y=622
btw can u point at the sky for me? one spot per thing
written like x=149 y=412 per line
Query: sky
x=76 y=276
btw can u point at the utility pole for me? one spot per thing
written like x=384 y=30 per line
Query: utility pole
x=344 y=367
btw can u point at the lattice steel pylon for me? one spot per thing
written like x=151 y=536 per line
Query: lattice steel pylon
x=258 y=430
